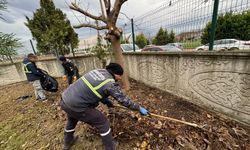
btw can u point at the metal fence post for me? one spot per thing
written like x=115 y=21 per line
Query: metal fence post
x=32 y=47
x=133 y=33
x=213 y=27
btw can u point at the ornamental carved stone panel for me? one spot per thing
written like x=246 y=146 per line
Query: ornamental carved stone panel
x=228 y=89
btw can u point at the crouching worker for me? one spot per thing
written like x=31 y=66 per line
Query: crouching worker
x=80 y=99
x=34 y=75
x=70 y=70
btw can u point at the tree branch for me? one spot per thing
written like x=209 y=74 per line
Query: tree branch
x=116 y=10
x=91 y=26
x=77 y=8
x=107 y=5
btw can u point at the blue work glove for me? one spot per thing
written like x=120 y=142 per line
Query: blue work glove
x=144 y=111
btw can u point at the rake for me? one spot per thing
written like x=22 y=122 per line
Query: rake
x=169 y=118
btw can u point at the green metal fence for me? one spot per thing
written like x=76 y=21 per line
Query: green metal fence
x=191 y=22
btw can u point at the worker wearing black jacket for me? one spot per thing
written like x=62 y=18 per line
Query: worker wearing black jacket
x=34 y=75
x=81 y=98
x=70 y=70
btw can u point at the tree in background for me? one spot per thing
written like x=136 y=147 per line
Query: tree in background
x=171 y=38
x=162 y=37
x=125 y=40
x=141 y=40
x=52 y=30
x=108 y=19
x=2 y=6
x=101 y=51
x=8 y=45
x=229 y=25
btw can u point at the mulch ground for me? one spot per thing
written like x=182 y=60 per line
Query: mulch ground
x=27 y=124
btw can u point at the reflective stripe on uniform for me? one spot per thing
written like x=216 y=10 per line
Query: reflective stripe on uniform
x=72 y=130
x=103 y=83
x=26 y=70
x=94 y=89
x=106 y=133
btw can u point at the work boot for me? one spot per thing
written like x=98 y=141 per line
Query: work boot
x=108 y=142
x=68 y=145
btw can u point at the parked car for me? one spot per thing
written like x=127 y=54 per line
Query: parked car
x=165 y=48
x=178 y=45
x=226 y=44
x=129 y=48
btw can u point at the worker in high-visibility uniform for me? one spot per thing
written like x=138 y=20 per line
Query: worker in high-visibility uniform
x=70 y=70
x=80 y=99
x=34 y=75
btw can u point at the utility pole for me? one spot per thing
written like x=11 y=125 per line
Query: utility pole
x=133 y=33
x=213 y=28
x=32 y=47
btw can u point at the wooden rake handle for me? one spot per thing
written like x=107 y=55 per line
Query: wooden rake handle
x=176 y=120
x=166 y=118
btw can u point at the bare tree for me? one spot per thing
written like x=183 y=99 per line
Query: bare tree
x=108 y=20
x=3 y=4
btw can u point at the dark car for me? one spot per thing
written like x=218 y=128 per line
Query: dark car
x=165 y=48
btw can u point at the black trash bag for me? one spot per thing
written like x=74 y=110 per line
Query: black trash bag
x=48 y=83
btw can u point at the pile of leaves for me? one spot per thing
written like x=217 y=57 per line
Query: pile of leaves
x=150 y=132
x=28 y=124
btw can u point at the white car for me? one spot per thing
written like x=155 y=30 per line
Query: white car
x=178 y=45
x=129 y=48
x=226 y=44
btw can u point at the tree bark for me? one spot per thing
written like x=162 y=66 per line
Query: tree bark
x=11 y=60
x=114 y=33
x=116 y=46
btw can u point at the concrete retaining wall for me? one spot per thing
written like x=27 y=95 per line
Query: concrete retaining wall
x=218 y=81
x=12 y=73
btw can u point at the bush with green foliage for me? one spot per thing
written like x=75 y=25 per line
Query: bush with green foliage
x=52 y=30
x=8 y=45
x=101 y=51
x=141 y=40
x=162 y=37
x=229 y=26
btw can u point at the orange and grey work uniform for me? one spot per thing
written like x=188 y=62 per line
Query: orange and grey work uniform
x=80 y=99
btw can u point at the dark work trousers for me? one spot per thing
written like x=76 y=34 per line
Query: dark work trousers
x=92 y=117
x=70 y=77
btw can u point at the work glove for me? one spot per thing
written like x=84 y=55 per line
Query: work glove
x=109 y=104
x=143 y=111
x=74 y=78
x=64 y=78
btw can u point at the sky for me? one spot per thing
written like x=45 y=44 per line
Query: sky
x=149 y=15
x=17 y=10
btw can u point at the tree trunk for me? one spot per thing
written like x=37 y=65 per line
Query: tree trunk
x=120 y=60
x=11 y=60
x=73 y=52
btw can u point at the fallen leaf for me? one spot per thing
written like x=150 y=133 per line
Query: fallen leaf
x=144 y=144
x=209 y=116
x=239 y=131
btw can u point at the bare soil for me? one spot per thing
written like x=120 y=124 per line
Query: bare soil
x=28 y=124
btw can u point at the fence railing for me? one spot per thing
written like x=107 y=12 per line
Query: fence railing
x=191 y=23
